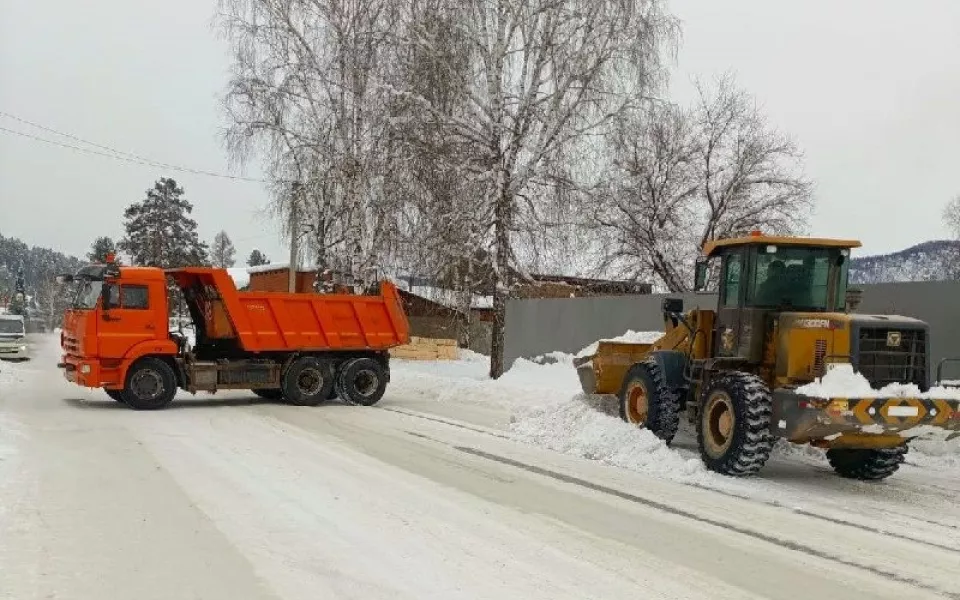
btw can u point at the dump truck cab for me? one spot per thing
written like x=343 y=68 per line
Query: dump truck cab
x=118 y=315
x=740 y=370
x=304 y=348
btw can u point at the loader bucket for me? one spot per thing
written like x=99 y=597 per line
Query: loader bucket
x=603 y=371
x=862 y=422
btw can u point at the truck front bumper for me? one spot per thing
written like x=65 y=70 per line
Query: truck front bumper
x=81 y=371
x=861 y=422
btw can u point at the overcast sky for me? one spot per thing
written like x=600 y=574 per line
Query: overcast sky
x=869 y=88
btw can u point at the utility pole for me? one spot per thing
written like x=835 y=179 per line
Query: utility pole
x=294 y=235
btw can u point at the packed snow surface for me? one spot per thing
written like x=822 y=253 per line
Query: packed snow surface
x=843 y=382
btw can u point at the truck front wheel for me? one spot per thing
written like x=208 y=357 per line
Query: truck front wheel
x=307 y=382
x=362 y=381
x=151 y=385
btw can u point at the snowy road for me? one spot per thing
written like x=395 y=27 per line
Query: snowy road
x=231 y=497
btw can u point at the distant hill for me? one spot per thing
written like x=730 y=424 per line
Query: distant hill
x=937 y=260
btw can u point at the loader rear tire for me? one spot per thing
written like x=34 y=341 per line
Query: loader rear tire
x=733 y=428
x=307 y=382
x=151 y=385
x=362 y=382
x=866 y=464
x=646 y=402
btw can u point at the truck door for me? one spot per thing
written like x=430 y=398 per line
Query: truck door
x=127 y=319
x=729 y=312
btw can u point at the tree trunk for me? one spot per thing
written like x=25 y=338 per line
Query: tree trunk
x=501 y=283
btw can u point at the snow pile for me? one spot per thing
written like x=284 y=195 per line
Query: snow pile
x=843 y=382
x=578 y=427
x=526 y=383
x=630 y=337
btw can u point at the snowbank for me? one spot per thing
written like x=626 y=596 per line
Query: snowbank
x=578 y=426
x=632 y=337
x=843 y=382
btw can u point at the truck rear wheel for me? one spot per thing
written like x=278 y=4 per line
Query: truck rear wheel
x=733 y=431
x=151 y=385
x=307 y=382
x=866 y=464
x=362 y=381
x=646 y=402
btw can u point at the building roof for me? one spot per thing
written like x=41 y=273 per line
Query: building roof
x=711 y=248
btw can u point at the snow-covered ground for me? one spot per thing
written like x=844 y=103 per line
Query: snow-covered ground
x=454 y=486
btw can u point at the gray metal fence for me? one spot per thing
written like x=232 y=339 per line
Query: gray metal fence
x=535 y=327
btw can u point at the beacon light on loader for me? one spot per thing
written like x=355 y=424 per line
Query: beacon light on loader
x=781 y=322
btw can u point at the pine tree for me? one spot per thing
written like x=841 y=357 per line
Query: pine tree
x=222 y=253
x=257 y=259
x=159 y=230
x=101 y=247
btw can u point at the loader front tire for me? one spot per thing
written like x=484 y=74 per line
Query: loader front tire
x=151 y=385
x=362 y=382
x=866 y=464
x=645 y=401
x=733 y=429
x=307 y=382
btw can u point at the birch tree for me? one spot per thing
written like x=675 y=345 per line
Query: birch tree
x=543 y=74
x=303 y=92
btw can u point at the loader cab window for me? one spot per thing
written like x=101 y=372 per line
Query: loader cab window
x=797 y=278
x=732 y=279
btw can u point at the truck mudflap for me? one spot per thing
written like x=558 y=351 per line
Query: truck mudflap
x=801 y=418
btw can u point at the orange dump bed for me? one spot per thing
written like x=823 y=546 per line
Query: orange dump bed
x=279 y=321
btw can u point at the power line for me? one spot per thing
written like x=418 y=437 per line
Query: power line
x=113 y=153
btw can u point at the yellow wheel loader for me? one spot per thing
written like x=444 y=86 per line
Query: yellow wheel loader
x=781 y=322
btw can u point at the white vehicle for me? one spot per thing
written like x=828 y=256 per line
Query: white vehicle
x=13 y=342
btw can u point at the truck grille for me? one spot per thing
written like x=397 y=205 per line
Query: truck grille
x=893 y=355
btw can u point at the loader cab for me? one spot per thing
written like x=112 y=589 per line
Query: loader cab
x=759 y=277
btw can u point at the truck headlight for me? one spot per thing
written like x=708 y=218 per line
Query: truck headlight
x=23 y=348
x=85 y=369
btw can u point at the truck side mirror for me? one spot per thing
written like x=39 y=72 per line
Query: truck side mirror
x=700 y=276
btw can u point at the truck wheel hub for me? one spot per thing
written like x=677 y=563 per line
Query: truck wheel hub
x=718 y=426
x=309 y=382
x=366 y=383
x=638 y=404
x=147 y=384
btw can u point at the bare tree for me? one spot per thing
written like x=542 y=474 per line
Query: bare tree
x=682 y=178
x=544 y=75
x=222 y=252
x=303 y=92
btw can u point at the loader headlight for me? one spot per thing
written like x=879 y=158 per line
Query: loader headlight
x=85 y=369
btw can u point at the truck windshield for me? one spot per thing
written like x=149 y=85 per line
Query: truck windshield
x=11 y=326
x=88 y=292
x=797 y=278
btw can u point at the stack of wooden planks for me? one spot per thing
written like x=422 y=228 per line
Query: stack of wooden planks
x=421 y=348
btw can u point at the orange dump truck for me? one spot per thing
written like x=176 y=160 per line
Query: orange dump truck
x=302 y=348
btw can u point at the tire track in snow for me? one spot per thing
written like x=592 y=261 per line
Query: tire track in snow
x=727 y=493
x=791 y=545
